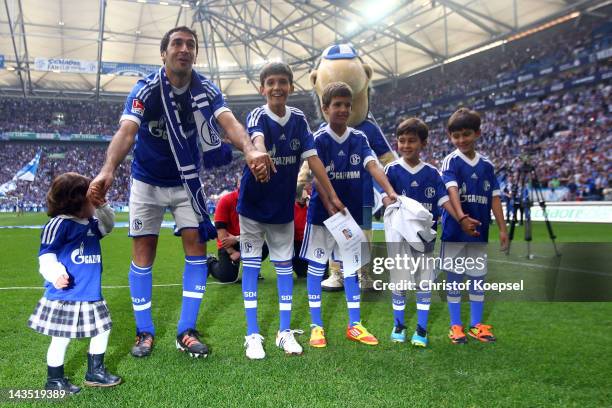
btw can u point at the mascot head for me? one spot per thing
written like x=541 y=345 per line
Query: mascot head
x=341 y=62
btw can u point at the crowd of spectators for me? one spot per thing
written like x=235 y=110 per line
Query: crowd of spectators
x=86 y=159
x=557 y=45
x=566 y=135
x=59 y=116
x=57 y=158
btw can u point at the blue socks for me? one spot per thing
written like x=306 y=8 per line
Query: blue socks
x=313 y=284
x=250 y=272
x=399 y=307
x=351 y=290
x=476 y=301
x=423 y=300
x=284 y=280
x=141 y=287
x=353 y=297
x=194 y=286
x=453 y=297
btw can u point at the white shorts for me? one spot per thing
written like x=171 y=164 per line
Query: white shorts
x=319 y=245
x=417 y=267
x=469 y=258
x=148 y=204
x=279 y=238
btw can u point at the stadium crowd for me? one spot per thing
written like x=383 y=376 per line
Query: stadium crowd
x=557 y=45
x=59 y=116
x=566 y=135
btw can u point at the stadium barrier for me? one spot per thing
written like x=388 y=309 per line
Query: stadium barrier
x=574 y=211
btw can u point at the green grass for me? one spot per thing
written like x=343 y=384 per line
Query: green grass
x=548 y=353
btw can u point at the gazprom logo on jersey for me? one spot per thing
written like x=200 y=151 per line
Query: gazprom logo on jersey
x=341 y=175
x=473 y=198
x=281 y=160
x=77 y=257
x=158 y=128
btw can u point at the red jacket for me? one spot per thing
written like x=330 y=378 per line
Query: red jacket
x=299 y=213
x=226 y=215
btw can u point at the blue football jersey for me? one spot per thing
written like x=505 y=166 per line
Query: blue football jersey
x=422 y=183
x=76 y=243
x=475 y=179
x=378 y=143
x=153 y=160
x=288 y=140
x=345 y=158
x=376 y=138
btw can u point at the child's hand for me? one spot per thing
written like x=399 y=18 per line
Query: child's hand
x=333 y=205
x=62 y=282
x=503 y=240
x=229 y=241
x=389 y=199
x=469 y=225
x=235 y=256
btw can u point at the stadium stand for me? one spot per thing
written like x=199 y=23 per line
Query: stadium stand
x=560 y=117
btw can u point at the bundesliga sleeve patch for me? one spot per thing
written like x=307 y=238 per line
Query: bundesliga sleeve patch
x=138 y=107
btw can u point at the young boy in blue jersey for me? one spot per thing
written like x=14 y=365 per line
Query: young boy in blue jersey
x=266 y=208
x=474 y=192
x=422 y=182
x=71 y=263
x=347 y=155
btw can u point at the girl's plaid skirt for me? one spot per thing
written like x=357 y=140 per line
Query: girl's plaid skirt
x=70 y=319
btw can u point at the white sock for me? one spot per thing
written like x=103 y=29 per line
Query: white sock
x=97 y=344
x=57 y=351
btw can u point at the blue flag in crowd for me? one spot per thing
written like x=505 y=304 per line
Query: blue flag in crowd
x=27 y=173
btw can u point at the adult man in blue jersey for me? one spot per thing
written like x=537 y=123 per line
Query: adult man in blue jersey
x=170 y=115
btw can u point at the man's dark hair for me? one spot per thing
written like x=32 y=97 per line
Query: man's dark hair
x=67 y=195
x=462 y=119
x=163 y=46
x=275 y=68
x=335 y=89
x=413 y=126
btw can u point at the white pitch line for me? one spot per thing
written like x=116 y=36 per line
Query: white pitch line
x=562 y=268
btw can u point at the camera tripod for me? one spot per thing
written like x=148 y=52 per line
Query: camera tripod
x=522 y=200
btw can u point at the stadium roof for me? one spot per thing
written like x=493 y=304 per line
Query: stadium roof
x=237 y=37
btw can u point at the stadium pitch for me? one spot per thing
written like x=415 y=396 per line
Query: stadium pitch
x=547 y=354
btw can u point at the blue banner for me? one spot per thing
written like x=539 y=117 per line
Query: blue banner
x=1 y=61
